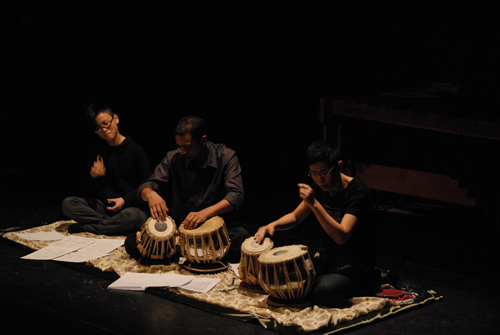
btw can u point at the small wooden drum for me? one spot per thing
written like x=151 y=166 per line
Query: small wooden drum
x=249 y=266
x=208 y=243
x=157 y=239
x=287 y=273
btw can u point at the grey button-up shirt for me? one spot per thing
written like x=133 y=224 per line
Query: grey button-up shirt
x=189 y=188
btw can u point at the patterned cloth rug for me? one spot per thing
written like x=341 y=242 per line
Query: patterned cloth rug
x=246 y=304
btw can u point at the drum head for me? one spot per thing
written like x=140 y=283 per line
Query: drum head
x=161 y=228
x=283 y=254
x=210 y=225
x=252 y=247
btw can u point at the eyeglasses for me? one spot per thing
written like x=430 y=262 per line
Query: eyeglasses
x=322 y=174
x=103 y=126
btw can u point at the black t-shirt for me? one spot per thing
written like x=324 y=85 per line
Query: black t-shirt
x=356 y=200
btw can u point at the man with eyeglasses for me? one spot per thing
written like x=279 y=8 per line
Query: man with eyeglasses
x=117 y=172
x=198 y=180
x=342 y=207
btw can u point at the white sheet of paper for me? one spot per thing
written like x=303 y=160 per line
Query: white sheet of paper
x=79 y=256
x=202 y=285
x=98 y=249
x=140 y=281
x=234 y=266
x=43 y=236
x=60 y=248
x=46 y=254
x=103 y=246
x=76 y=249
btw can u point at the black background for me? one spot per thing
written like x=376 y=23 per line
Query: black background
x=256 y=72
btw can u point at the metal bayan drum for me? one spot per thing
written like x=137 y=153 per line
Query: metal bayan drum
x=157 y=239
x=208 y=243
x=249 y=265
x=287 y=273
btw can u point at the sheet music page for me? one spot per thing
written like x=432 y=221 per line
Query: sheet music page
x=79 y=256
x=76 y=249
x=103 y=246
x=201 y=285
x=140 y=281
x=60 y=248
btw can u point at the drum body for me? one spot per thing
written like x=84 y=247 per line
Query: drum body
x=287 y=273
x=208 y=243
x=249 y=265
x=157 y=239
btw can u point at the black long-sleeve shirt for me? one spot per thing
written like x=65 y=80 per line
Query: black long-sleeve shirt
x=127 y=166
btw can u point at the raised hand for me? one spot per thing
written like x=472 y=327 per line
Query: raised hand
x=306 y=193
x=98 y=169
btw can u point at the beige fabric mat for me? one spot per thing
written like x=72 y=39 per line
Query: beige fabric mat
x=226 y=293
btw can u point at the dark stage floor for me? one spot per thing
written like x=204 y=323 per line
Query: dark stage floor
x=432 y=246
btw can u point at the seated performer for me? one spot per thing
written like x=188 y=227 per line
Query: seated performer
x=342 y=206
x=199 y=180
x=123 y=168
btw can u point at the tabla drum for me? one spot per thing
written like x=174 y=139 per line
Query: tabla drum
x=208 y=243
x=249 y=266
x=157 y=239
x=287 y=273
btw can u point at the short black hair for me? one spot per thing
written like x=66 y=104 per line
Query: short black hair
x=193 y=125
x=96 y=109
x=322 y=151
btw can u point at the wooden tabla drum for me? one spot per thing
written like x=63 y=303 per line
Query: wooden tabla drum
x=249 y=266
x=208 y=243
x=287 y=273
x=157 y=239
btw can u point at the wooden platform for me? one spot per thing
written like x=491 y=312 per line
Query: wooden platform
x=413 y=183
x=335 y=114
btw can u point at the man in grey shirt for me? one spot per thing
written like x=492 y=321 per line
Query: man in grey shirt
x=196 y=181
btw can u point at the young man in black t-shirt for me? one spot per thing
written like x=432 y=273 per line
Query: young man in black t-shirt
x=342 y=205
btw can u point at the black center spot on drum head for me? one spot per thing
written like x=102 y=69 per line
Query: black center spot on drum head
x=160 y=226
